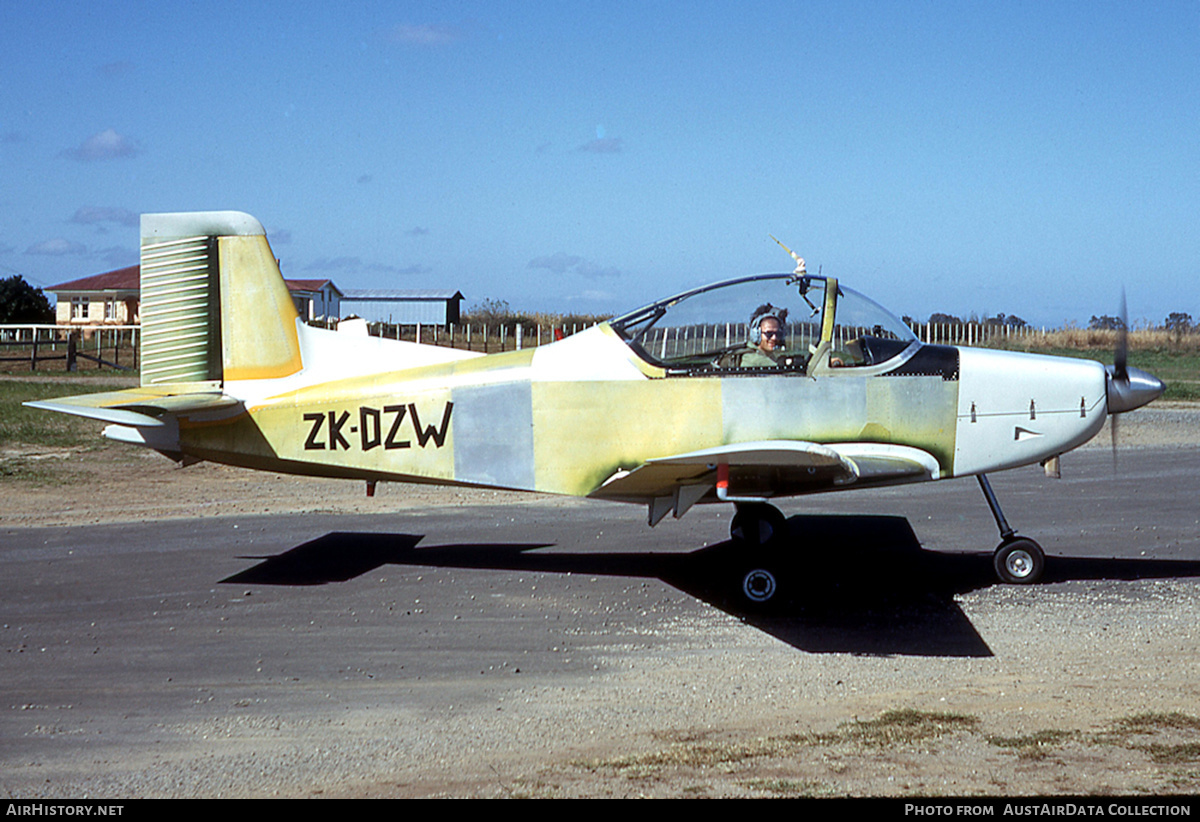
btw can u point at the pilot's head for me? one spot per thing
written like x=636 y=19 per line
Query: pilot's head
x=767 y=327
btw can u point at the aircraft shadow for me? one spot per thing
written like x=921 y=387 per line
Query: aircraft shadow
x=869 y=589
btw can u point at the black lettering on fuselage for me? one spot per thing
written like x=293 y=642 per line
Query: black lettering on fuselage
x=438 y=434
x=335 y=430
x=311 y=443
x=368 y=428
x=340 y=434
x=399 y=411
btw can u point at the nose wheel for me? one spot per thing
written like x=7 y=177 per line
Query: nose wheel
x=1017 y=560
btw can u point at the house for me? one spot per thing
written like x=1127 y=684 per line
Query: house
x=112 y=298
x=315 y=299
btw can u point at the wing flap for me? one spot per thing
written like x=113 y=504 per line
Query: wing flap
x=768 y=468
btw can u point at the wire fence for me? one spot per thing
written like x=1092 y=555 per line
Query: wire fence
x=118 y=346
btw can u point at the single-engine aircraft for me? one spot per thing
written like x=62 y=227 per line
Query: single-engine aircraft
x=680 y=402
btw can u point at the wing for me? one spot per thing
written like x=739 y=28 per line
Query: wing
x=760 y=470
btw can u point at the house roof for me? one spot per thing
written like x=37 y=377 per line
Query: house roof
x=129 y=279
x=310 y=285
x=123 y=279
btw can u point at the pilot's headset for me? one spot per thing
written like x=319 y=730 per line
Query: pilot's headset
x=761 y=313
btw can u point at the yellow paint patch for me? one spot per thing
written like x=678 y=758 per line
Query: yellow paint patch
x=258 y=318
x=584 y=432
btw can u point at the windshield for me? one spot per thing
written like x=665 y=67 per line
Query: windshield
x=771 y=321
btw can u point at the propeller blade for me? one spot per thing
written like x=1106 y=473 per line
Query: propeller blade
x=1121 y=354
x=1112 y=427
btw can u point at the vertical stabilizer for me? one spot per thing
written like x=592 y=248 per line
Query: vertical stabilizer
x=214 y=305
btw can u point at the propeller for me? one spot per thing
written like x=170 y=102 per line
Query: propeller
x=1128 y=388
x=1120 y=372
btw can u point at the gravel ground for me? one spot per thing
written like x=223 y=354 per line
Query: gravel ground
x=1090 y=686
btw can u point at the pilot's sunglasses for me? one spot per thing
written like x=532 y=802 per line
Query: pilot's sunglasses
x=772 y=334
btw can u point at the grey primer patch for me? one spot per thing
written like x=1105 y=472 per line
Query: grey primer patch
x=828 y=410
x=493 y=435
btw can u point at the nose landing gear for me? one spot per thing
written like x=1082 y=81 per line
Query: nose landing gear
x=1017 y=560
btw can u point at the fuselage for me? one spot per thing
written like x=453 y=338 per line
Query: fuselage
x=565 y=417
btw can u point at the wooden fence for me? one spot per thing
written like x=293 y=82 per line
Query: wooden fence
x=106 y=346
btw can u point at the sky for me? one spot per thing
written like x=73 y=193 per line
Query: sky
x=1030 y=158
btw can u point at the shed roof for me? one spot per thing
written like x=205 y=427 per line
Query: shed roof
x=398 y=295
x=311 y=285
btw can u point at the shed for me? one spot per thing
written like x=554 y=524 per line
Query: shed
x=402 y=307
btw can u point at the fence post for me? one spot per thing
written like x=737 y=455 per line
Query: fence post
x=72 y=348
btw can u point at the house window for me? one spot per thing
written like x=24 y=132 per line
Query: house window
x=79 y=308
x=110 y=309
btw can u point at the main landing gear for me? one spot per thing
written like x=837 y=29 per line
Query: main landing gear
x=1017 y=560
x=755 y=526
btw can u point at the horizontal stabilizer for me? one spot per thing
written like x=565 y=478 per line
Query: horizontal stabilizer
x=138 y=407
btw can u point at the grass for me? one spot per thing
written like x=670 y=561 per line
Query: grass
x=905 y=727
x=1036 y=745
x=30 y=427
x=785 y=765
x=1175 y=361
x=893 y=728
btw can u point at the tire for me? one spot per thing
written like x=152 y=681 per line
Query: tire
x=760 y=587
x=1019 y=562
x=757 y=524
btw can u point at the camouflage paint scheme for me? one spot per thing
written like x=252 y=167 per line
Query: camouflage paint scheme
x=231 y=374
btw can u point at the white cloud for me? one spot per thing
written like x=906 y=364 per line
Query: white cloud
x=416 y=268
x=57 y=247
x=117 y=256
x=425 y=34
x=104 y=145
x=118 y=68
x=604 y=145
x=91 y=215
x=334 y=264
x=560 y=263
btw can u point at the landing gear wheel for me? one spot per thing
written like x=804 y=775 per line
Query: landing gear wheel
x=759 y=586
x=1019 y=561
x=757 y=524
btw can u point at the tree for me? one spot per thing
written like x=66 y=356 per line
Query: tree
x=1006 y=319
x=938 y=318
x=22 y=303
x=1178 y=322
x=1105 y=323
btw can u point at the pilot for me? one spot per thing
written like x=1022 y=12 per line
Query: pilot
x=767 y=327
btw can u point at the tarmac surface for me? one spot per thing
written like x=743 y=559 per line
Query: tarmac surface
x=438 y=651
